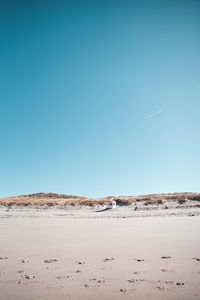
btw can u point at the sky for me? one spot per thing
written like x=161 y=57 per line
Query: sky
x=99 y=97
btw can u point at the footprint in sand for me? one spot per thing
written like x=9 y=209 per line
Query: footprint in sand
x=164 y=270
x=80 y=262
x=161 y=288
x=138 y=259
x=62 y=276
x=108 y=259
x=135 y=280
x=92 y=279
x=196 y=258
x=24 y=261
x=28 y=276
x=180 y=283
x=131 y=280
x=48 y=261
x=169 y=282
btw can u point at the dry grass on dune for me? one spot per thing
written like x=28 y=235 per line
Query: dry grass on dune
x=52 y=199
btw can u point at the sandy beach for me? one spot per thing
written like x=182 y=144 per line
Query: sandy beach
x=99 y=156
x=72 y=257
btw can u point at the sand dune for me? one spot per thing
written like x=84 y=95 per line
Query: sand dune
x=52 y=199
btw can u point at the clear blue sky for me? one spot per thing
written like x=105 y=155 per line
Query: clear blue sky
x=99 y=97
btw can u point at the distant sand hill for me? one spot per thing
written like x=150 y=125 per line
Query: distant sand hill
x=52 y=199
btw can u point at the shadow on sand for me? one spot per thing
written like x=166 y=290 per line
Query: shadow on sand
x=107 y=208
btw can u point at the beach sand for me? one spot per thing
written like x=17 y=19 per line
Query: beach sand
x=99 y=258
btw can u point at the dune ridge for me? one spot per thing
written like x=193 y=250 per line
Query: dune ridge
x=53 y=199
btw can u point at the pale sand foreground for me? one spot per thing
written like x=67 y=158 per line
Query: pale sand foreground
x=81 y=248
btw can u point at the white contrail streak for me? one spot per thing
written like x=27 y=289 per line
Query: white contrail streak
x=156 y=113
